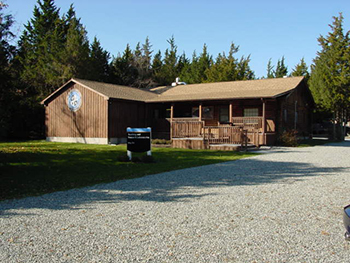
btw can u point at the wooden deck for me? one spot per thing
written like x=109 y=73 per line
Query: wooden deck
x=193 y=134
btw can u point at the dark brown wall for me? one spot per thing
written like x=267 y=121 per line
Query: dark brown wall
x=89 y=121
x=123 y=114
x=304 y=110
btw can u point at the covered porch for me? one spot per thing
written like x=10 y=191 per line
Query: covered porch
x=221 y=125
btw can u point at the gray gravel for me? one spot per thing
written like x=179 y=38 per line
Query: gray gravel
x=282 y=206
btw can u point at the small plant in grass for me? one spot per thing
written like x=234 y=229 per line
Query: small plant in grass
x=289 y=138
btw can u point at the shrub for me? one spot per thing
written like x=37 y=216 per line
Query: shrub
x=289 y=138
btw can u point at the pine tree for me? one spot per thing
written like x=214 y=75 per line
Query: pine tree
x=270 y=71
x=6 y=54
x=301 y=69
x=169 y=69
x=244 y=70
x=157 y=65
x=98 y=62
x=188 y=71
x=229 y=68
x=142 y=63
x=74 y=57
x=52 y=49
x=123 y=69
x=330 y=73
x=40 y=42
x=195 y=72
x=281 y=69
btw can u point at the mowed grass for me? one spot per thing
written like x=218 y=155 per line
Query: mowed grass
x=38 y=167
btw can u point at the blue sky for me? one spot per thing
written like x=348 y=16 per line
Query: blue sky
x=263 y=29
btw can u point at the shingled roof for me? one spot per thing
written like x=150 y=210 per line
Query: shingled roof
x=263 y=88
x=109 y=91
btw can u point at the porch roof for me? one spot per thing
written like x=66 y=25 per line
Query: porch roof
x=263 y=88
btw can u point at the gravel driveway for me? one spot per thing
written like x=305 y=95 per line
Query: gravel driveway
x=281 y=206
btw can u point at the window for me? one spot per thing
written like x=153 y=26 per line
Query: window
x=207 y=112
x=251 y=112
x=195 y=112
x=223 y=114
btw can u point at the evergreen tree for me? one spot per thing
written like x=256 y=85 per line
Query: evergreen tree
x=188 y=71
x=98 y=62
x=195 y=72
x=142 y=63
x=169 y=69
x=40 y=43
x=6 y=54
x=52 y=49
x=123 y=69
x=157 y=65
x=74 y=56
x=281 y=69
x=301 y=69
x=228 y=68
x=270 y=71
x=330 y=73
x=244 y=70
x=182 y=65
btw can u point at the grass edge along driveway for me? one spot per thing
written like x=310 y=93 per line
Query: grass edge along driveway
x=38 y=167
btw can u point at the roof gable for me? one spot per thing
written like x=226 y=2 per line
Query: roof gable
x=107 y=91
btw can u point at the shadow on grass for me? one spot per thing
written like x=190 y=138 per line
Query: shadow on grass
x=175 y=186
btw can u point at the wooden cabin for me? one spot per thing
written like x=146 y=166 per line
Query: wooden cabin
x=198 y=116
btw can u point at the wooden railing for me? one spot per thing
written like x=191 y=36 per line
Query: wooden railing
x=243 y=134
x=243 y=122
x=222 y=135
x=186 y=128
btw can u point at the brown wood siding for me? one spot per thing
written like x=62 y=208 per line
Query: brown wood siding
x=123 y=114
x=90 y=121
x=287 y=107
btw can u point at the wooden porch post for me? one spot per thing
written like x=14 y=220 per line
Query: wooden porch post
x=264 y=122
x=230 y=113
x=171 y=120
x=200 y=112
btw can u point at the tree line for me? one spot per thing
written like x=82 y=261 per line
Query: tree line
x=54 y=47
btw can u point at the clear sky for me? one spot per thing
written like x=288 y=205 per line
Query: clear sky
x=263 y=29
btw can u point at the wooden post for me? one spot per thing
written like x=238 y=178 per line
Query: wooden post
x=230 y=113
x=264 y=121
x=200 y=112
x=171 y=120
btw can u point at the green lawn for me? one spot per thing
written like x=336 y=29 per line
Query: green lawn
x=38 y=167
